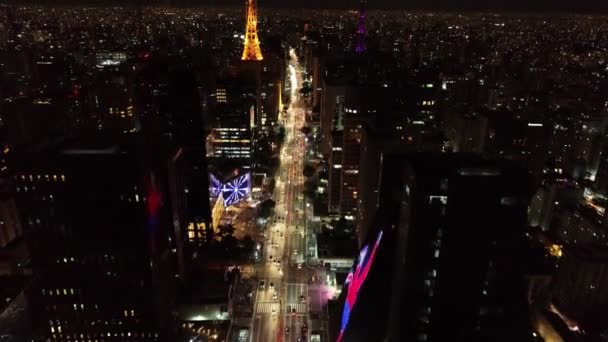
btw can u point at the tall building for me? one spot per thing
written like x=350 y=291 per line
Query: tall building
x=169 y=102
x=105 y=223
x=251 y=48
x=232 y=108
x=442 y=259
x=373 y=109
x=361 y=46
x=385 y=134
x=272 y=75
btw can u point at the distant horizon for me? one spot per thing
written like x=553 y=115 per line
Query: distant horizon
x=517 y=6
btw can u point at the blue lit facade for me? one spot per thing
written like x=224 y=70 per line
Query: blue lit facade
x=233 y=191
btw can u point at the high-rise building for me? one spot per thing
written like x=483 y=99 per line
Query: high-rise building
x=104 y=221
x=169 y=101
x=232 y=108
x=361 y=46
x=385 y=134
x=442 y=259
x=251 y=48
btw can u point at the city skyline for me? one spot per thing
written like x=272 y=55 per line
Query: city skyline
x=543 y=6
x=182 y=172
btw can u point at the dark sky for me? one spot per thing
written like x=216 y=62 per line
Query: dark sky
x=593 y=6
x=523 y=5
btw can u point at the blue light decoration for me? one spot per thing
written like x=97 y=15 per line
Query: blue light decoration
x=355 y=280
x=215 y=185
x=232 y=191
x=237 y=189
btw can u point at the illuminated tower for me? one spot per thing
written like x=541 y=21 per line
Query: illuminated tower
x=251 y=49
x=360 y=48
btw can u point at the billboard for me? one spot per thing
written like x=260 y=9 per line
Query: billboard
x=233 y=191
x=356 y=278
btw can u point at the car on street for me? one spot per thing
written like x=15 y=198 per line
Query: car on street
x=262 y=284
x=271 y=285
x=274 y=296
x=302 y=298
x=287 y=330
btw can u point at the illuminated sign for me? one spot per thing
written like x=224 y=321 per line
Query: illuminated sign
x=355 y=280
x=233 y=191
x=153 y=206
x=215 y=185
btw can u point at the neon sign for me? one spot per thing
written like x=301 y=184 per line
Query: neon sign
x=236 y=190
x=153 y=206
x=355 y=280
x=215 y=185
x=233 y=191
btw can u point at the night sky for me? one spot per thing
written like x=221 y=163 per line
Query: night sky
x=452 y=5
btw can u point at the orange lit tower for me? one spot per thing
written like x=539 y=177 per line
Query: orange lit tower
x=251 y=49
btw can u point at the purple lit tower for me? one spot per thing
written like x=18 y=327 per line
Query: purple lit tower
x=360 y=48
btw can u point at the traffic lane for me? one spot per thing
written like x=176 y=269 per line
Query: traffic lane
x=269 y=324
x=264 y=327
x=301 y=333
x=293 y=327
x=257 y=328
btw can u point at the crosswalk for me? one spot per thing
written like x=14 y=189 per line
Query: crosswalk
x=267 y=307
x=300 y=307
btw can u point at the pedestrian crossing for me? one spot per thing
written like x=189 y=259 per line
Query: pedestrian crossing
x=267 y=307
x=300 y=307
